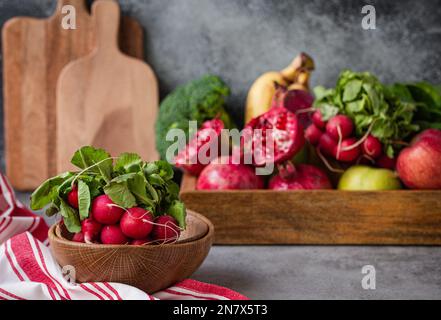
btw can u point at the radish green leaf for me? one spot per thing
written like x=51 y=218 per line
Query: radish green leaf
x=83 y=199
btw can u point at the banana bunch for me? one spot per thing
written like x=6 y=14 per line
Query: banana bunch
x=296 y=77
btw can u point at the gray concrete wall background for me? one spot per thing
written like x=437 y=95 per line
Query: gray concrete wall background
x=240 y=39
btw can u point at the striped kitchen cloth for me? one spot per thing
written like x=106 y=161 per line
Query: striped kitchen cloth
x=28 y=270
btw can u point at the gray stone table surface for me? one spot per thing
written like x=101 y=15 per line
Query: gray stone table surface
x=312 y=272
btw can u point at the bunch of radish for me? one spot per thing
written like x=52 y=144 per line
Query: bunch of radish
x=335 y=139
x=111 y=224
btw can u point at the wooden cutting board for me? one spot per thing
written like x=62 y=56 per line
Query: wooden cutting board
x=34 y=53
x=106 y=99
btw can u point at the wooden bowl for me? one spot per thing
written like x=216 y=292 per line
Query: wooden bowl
x=149 y=268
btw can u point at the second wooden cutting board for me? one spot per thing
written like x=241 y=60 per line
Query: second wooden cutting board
x=106 y=99
x=34 y=53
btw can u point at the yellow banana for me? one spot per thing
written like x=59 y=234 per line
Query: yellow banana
x=302 y=81
x=262 y=91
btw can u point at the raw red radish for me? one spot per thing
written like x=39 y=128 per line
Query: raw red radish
x=165 y=230
x=295 y=101
x=327 y=145
x=286 y=132
x=72 y=197
x=386 y=163
x=188 y=158
x=313 y=134
x=91 y=230
x=348 y=155
x=344 y=123
x=229 y=176
x=78 y=237
x=419 y=166
x=306 y=177
x=105 y=211
x=142 y=242
x=365 y=161
x=137 y=223
x=317 y=119
x=372 y=147
x=113 y=235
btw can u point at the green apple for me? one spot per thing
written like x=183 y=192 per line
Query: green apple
x=363 y=178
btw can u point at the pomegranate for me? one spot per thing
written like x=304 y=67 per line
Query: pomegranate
x=295 y=101
x=419 y=166
x=188 y=158
x=286 y=132
x=306 y=177
x=229 y=176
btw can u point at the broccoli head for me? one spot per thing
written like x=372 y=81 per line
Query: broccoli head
x=199 y=100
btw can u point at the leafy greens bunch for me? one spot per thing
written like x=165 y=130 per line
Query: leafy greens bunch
x=127 y=180
x=393 y=113
x=428 y=100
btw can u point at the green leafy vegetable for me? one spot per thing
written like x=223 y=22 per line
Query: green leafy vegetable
x=428 y=99
x=95 y=188
x=84 y=199
x=120 y=194
x=199 y=100
x=48 y=191
x=352 y=90
x=153 y=192
x=165 y=170
x=177 y=210
x=70 y=217
x=128 y=162
x=138 y=186
x=52 y=210
x=94 y=160
x=173 y=192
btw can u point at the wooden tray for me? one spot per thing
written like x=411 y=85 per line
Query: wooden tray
x=319 y=217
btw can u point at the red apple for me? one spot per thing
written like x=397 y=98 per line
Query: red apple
x=419 y=166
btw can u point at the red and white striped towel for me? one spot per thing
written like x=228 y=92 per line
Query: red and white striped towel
x=29 y=272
